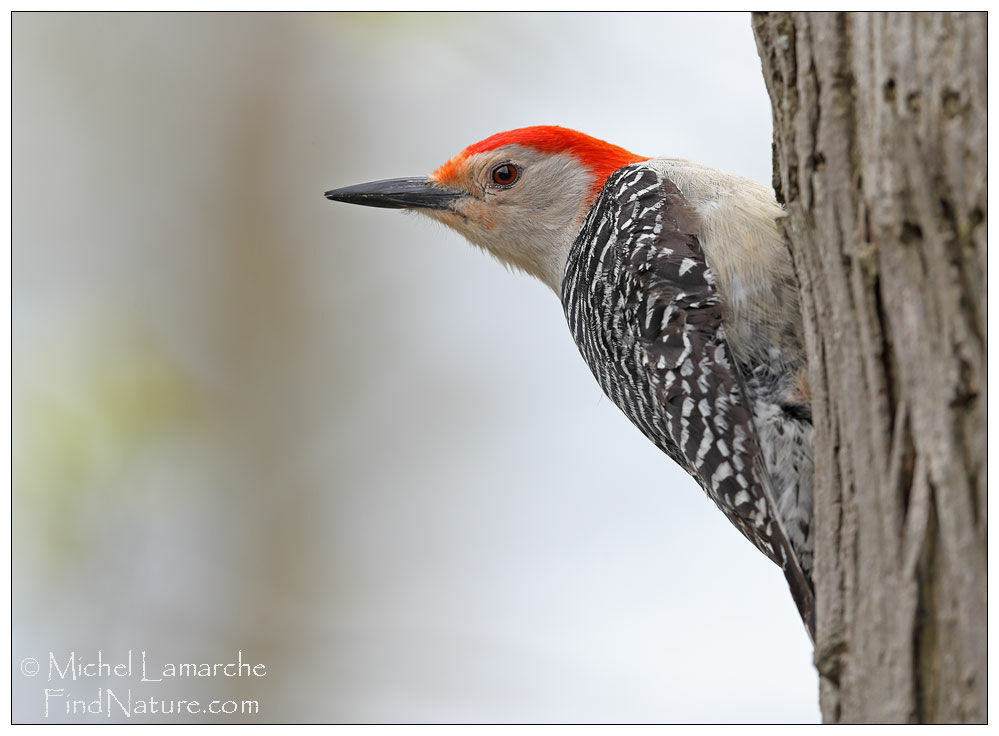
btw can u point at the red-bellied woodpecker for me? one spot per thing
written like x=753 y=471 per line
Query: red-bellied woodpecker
x=680 y=294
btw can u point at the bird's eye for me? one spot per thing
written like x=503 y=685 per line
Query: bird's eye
x=505 y=174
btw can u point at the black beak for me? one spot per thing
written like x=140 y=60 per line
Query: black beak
x=417 y=193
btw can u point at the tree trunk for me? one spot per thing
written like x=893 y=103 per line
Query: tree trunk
x=880 y=159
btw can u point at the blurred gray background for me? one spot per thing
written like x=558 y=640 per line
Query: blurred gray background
x=339 y=439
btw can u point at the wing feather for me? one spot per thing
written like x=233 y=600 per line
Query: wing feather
x=651 y=326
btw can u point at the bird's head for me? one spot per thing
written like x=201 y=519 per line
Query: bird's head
x=521 y=195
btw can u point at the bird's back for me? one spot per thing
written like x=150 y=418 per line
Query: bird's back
x=686 y=352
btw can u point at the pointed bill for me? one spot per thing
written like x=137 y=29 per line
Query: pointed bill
x=411 y=193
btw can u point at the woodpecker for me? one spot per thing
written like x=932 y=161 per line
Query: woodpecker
x=680 y=295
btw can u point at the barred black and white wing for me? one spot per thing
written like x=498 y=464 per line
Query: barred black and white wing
x=643 y=307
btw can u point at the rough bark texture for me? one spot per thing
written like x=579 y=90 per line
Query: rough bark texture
x=880 y=158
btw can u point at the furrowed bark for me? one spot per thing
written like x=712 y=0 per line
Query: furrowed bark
x=880 y=158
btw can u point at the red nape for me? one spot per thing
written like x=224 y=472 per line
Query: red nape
x=600 y=157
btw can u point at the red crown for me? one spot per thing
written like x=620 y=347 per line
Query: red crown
x=600 y=157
